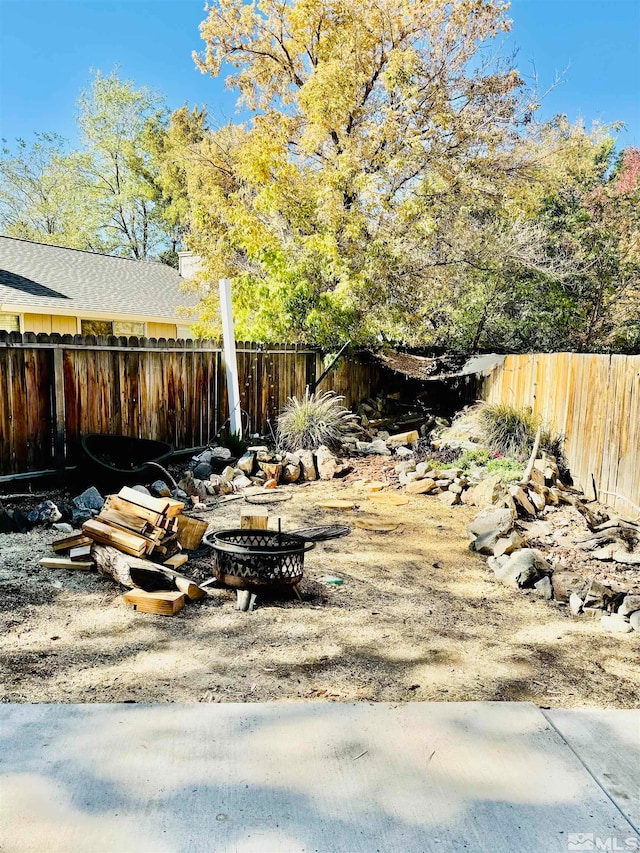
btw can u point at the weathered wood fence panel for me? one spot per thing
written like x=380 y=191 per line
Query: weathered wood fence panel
x=594 y=400
x=54 y=389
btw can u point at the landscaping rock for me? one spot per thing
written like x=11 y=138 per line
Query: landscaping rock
x=201 y=490
x=406 y=467
x=498 y=565
x=291 y=472
x=544 y=588
x=307 y=464
x=575 y=603
x=449 y=498
x=484 y=493
x=46 y=513
x=202 y=471
x=79 y=516
x=62 y=527
x=404 y=452
x=246 y=463
x=423 y=468
x=421 y=487
x=227 y=473
x=242 y=482
x=630 y=604
x=160 y=488
x=508 y=544
x=187 y=484
x=371 y=448
x=616 y=623
x=326 y=463
x=142 y=489
x=598 y=595
x=526 y=566
x=342 y=468
x=564 y=583
x=522 y=500
x=499 y=521
x=89 y=499
x=634 y=620
x=220 y=453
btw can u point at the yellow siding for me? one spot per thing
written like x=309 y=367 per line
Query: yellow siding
x=37 y=323
x=161 y=330
x=64 y=325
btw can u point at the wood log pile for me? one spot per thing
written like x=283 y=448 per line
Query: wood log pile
x=139 y=541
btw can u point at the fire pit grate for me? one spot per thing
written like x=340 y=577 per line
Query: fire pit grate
x=251 y=558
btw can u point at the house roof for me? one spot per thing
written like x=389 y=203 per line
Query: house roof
x=65 y=280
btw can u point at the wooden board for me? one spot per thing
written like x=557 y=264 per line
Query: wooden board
x=115 y=502
x=159 y=505
x=163 y=603
x=65 y=563
x=81 y=553
x=69 y=542
x=107 y=535
x=190 y=532
x=176 y=561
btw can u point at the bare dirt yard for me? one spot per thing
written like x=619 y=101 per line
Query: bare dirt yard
x=418 y=617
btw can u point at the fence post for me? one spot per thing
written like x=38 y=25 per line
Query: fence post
x=58 y=409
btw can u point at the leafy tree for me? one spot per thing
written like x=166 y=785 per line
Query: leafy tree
x=104 y=196
x=382 y=144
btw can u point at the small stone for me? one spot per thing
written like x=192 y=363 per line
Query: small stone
x=404 y=452
x=89 y=499
x=160 y=488
x=630 y=603
x=202 y=471
x=187 y=484
x=342 y=468
x=291 y=472
x=508 y=544
x=227 y=474
x=409 y=477
x=421 y=487
x=564 y=583
x=201 y=490
x=205 y=456
x=270 y=484
x=449 y=498
x=544 y=588
x=408 y=466
x=455 y=488
x=443 y=483
x=246 y=463
x=634 y=620
x=575 y=603
x=62 y=527
x=423 y=468
x=242 y=482
x=142 y=489
x=598 y=595
x=264 y=456
x=617 y=623
x=326 y=463
x=537 y=500
x=219 y=453
x=79 y=516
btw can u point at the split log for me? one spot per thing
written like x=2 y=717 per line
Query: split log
x=190 y=532
x=164 y=603
x=254 y=520
x=75 y=540
x=133 y=572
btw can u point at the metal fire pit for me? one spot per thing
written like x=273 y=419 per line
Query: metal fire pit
x=255 y=559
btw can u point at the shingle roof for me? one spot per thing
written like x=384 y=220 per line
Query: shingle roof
x=53 y=277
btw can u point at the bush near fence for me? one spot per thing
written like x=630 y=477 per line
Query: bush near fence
x=56 y=388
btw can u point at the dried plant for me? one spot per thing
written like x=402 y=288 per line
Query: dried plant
x=314 y=420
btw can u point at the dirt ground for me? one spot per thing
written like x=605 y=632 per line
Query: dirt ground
x=418 y=617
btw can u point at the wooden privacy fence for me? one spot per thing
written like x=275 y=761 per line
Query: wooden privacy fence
x=56 y=388
x=594 y=400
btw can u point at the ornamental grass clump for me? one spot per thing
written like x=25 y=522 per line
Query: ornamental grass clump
x=314 y=420
x=511 y=432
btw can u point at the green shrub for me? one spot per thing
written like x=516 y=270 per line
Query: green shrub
x=509 y=470
x=314 y=420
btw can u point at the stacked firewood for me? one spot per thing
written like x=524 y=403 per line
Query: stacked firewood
x=139 y=541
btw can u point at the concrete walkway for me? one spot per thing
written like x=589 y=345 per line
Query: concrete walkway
x=317 y=777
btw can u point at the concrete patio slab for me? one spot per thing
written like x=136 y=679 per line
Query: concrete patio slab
x=607 y=742
x=296 y=777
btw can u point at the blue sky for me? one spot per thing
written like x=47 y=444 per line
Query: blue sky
x=47 y=48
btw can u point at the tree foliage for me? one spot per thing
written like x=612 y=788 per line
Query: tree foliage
x=102 y=196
